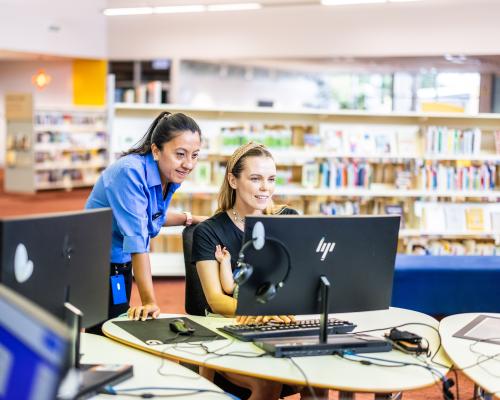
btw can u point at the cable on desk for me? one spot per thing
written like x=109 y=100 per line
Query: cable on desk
x=368 y=360
x=308 y=385
x=197 y=377
x=447 y=383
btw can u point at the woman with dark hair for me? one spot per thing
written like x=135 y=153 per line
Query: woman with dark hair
x=138 y=188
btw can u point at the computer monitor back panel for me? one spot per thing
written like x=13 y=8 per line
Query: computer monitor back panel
x=58 y=257
x=356 y=254
x=33 y=349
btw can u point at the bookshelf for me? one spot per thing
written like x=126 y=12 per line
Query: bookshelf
x=349 y=162
x=56 y=148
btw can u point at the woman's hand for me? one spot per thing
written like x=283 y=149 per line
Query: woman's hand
x=143 y=311
x=262 y=319
x=222 y=254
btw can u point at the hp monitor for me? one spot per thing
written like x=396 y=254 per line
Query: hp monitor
x=56 y=258
x=355 y=254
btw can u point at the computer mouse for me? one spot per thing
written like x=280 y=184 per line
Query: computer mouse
x=179 y=326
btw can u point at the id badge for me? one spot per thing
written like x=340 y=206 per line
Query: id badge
x=118 y=289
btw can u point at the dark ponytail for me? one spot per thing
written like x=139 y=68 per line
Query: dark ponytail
x=164 y=128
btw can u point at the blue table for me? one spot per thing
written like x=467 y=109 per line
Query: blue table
x=445 y=285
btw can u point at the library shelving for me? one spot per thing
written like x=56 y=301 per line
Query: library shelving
x=56 y=148
x=351 y=162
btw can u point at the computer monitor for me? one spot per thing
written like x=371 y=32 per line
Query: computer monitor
x=56 y=258
x=356 y=254
x=33 y=349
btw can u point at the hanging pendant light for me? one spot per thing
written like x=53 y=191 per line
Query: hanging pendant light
x=41 y=79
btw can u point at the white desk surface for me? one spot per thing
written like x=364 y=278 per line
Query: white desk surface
x=324 y=371
x=101 y=350
x=487 y=374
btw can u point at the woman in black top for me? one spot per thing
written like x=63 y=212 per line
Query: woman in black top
x=247 y=189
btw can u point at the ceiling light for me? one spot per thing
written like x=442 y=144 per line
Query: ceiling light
x=234 y=7
x=179 y=9
x=128 y=11
x=349 y=2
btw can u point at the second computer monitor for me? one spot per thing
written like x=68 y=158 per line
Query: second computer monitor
x=53 y=258
x=356 y=254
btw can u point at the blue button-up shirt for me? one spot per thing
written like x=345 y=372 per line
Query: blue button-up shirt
x=132 y=188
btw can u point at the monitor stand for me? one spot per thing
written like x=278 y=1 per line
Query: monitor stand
x=323 y=345
x=84 y=380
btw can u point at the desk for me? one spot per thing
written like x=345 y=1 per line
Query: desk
x=98 y=349
x=329 y=372
x=486 y=375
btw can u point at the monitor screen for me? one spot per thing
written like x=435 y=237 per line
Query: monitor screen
x=53 y=258
x=33 y=349
x=355 y=253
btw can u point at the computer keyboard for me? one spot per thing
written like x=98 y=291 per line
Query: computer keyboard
x=308 y=327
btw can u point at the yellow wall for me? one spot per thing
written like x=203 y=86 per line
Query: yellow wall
x=89 y=82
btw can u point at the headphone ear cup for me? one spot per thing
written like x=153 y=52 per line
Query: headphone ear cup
x=243 y=273
x=265 y=292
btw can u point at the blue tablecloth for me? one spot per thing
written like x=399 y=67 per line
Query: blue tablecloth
x=445 y=285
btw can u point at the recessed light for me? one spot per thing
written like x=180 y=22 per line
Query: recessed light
x=179 y=9
x=128 y=11
x=234 y=7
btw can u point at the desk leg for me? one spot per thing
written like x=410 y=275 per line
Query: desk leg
x=389 y=396
x=346 y=395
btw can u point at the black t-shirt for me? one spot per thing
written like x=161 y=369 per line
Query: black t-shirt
x=220 y=230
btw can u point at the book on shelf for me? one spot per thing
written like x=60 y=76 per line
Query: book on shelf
x=474 y=219
x=408 y=142
x=455 y=218
x=384 y=139
x=203 y=172
x=396 y=209
x=310 y=175
x=497 y=141
x=495 y=221
x=433 y=217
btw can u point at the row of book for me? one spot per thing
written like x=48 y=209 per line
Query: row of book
x=445 y=140
x=70 y=118
x=337 y=174
x=458 y=217
x=441 y=247
x=360 y=140
x=442 y=177
x=94 y=156
x=151 y=92
x=272 y=136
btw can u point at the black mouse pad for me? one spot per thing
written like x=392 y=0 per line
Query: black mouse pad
x=157 y=331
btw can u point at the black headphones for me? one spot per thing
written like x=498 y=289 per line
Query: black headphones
x=267 y=290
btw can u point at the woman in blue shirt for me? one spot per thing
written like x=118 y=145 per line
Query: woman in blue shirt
x=138 y=187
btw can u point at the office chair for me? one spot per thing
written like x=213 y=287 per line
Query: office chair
x=195 y=302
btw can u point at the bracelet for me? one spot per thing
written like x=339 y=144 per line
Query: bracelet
x=189 y=218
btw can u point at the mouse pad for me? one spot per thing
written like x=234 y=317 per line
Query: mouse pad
x=157 y=331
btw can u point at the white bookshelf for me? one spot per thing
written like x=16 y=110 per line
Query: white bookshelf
x=59 y=147
x=130 y=121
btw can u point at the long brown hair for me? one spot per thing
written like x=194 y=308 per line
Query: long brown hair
x=235 y=166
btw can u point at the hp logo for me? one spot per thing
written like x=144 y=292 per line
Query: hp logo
x=325 y=248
